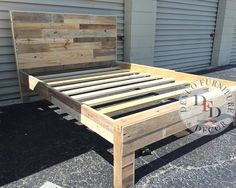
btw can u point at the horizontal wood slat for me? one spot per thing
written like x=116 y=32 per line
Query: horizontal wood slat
x=104 y=81
x=135 y=93
x=109 y=85
x=139 y=103
x=55 y=80
x=72 y=73
x=112 y=74
x=122 y=89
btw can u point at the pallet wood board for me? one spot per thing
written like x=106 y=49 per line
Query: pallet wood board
x=51 y=39
x=129 y=105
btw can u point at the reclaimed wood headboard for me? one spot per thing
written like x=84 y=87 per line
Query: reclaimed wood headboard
x=50 y=41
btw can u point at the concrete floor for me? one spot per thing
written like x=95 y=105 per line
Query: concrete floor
x=38 y=145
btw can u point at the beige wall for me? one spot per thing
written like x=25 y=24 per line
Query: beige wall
x=224 y=32
x=140 y=25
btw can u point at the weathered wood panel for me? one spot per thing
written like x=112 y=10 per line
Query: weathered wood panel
x=50 y=39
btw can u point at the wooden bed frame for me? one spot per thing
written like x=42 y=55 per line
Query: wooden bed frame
x=70 y=60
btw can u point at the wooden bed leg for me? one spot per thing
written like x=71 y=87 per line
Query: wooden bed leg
x=124 y=166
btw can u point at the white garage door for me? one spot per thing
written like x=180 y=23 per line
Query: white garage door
x=233 y=49
x=185 y=33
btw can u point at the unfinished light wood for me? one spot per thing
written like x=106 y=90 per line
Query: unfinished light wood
x=89 y=78
x=135 y=93
x=128 y=133
x=84 y=114
x=97 y=82
x=65 y=75
x=165 y=122
x=116 y=90
x=179 y=76
x=109 y=85
x=58 y=79
x=139 y=103
x=63 y=39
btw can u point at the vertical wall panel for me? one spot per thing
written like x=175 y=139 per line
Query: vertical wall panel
x=9 y=90
x=183 y=33
x=233 y=49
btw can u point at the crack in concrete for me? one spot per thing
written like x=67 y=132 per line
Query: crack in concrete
x=219 y=163
x=174 y=167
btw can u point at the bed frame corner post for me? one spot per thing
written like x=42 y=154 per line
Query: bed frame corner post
x=124 y=164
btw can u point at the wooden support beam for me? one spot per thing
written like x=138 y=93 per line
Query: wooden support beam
x=139 y=103
x=113 y=74
x=142 y=129
x=109 y=85
x=83 y=75
x=116 y=90
x=135 y=93
x=124 y=165
x=94 y=120
x=98 y=82
x=74 y=73
x=179 y=76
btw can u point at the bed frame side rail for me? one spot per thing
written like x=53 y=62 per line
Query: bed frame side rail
x=139 y=130
x=167 y=73
x=97 y=122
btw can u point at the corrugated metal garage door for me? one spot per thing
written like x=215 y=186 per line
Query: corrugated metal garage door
x=9 y=90
x=233 y=49
x=184 y=31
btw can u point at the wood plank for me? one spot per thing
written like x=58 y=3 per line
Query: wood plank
x=94 y=39
x=97 y=26
x=124 y=166
x=72 y=73
x=47 y=59
x=139 y=103
x=67 y=45
x=37 y=17
x=179 y=76
x=85 y=75
x=108 y=135
x=153 y=137
x=48 y=40
x=91 y=78
x=121 y=89
x=117 y=157
x=141 y=126
x=131 y=94
x=72 y=33
x=108 y=45
x=164 y=126
x=69 y=67
x=89 y=19
x=30 y=33
x=30 y=25
x=107 y=42
x=97 y=82
x=109 y=85
x=144 y=115
x=38 y=41
x=103 y=52
x=97 y=122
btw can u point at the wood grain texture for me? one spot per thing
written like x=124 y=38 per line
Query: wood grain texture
x=50 y=39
